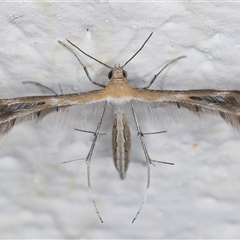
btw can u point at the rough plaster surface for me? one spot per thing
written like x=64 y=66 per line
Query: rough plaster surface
x=199 y=197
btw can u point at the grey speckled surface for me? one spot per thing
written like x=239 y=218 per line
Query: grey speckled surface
x=199 y=197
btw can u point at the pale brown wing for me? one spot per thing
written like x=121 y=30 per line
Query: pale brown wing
x=223 y=103
x=17 y=110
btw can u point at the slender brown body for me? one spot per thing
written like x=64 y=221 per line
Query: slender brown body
x=121 y=143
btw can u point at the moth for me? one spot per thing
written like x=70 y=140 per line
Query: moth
x=119 y=96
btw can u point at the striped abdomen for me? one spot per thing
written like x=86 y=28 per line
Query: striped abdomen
x=121 y=143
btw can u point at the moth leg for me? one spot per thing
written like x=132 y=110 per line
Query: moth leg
x=88 y=160
x=148 y=133
x=84 y=67
x=87 y=131
x=148 y=159
x=43 y=86
x=156 y=75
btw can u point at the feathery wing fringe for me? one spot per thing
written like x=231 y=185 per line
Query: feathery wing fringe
x=17 y=110
x=222 y=103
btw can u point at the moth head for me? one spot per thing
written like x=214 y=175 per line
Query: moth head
x=117 y=73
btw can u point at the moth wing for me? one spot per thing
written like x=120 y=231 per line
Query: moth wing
x=74 y=110
x=171 y=104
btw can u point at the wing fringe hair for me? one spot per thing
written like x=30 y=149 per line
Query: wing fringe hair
x=222 y=103
x=18 y=110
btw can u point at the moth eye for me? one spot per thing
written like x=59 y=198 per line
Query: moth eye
x=124 y=73
x=110 y=75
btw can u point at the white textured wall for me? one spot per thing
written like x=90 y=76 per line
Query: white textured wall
x=199 y=197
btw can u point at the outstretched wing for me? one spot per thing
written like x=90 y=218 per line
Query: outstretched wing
x=16 y=110
x=223 y=103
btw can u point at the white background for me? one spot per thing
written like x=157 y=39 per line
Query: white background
x=199 y=197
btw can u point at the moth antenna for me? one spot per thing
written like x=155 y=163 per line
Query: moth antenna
x=89 y=55
x=153 y=133
x=40 y=85
x=84 y=67
x=88 y=161
x=156 y=75
x=137 y=51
